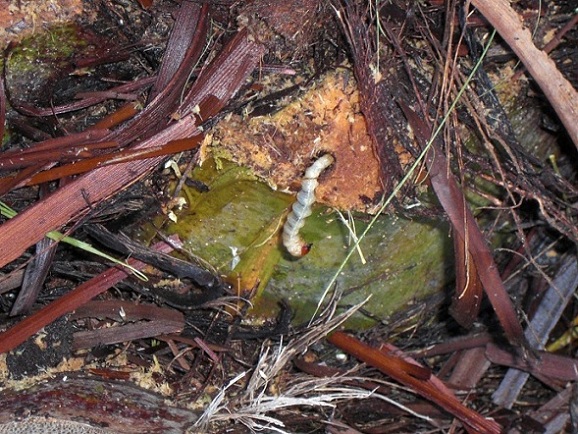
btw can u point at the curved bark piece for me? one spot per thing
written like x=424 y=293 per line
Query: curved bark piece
x=469 y=289
x=404 y=371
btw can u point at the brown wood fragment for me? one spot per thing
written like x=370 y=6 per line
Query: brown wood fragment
x=79 y=167
x=135 y=321
x=179 y=42
x=470 y=368
x=395 y=367
x=556 y=410
x=45 y=151
x=34 y=276
x=88 y=99
x=177 y=267
x=538 y=331
x=116 y=406
x=469 y=289
x=544 y=364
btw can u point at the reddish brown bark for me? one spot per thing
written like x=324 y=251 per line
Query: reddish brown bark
x=396 y=367
x=464 y=224
x=214 y=88
x=25 y=328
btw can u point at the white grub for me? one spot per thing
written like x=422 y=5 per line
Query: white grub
x=301 y=209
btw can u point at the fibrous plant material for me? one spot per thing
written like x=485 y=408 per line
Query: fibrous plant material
x=17 y=334
x=209 y=94
x=252 y=406
x=557 y=89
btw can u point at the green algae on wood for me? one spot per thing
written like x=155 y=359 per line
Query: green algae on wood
x=42 y=57
x=231 y=219
x=240 y=218
x=405 y=261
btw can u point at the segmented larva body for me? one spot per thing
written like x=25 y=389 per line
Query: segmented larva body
x=301 y=209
